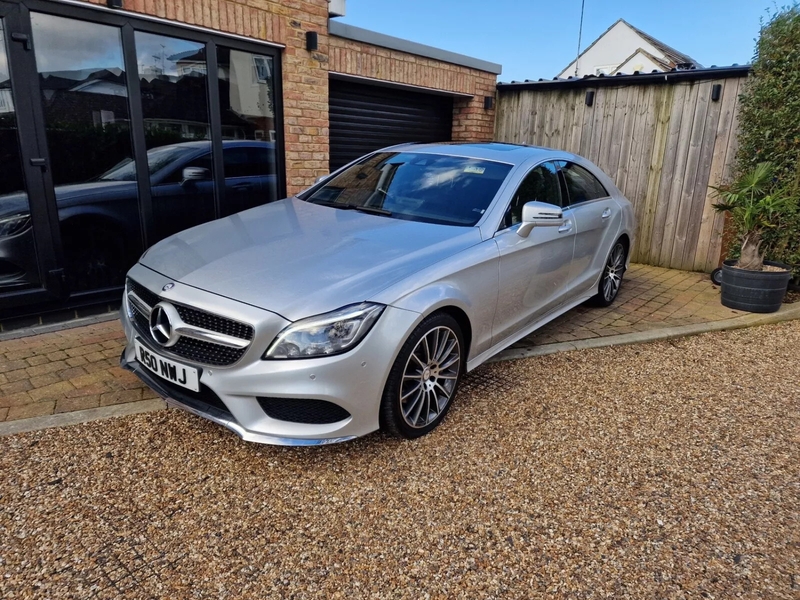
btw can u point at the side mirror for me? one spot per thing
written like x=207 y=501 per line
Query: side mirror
x=321 y=178
x=539 y=214
x=195 y=174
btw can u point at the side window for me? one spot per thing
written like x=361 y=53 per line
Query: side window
x=177 y=175
x=540 y=184
x=248 y=162
x=581 y=184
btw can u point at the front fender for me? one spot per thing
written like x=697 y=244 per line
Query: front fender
x=468 y=281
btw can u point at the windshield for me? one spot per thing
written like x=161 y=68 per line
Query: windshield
x=157 y=159
x=433 y=188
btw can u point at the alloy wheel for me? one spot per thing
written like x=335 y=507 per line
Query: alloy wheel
x=612 y=275
x=430 y=377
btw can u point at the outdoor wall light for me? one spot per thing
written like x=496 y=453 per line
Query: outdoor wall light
x=488 y=102
x=114 y=3
x=312 y=41
x=589 y=98
x=716 y=92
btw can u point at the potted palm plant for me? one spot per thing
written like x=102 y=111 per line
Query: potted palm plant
x=750 y=282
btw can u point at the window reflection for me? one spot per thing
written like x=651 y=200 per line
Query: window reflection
x=85 y=100
x=247 y=104
x=173 y=76
x=18 y=266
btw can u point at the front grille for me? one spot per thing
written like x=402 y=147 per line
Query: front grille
x=146 y=295
x=310 y=411
x=206 y=352
x=199 y=351
x=199 y=318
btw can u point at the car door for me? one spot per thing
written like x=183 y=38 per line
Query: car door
x=597 y=222
x=533 y=269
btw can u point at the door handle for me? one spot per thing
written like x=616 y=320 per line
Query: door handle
x=606 y=213
x=22 y=39
x=567 y=226
x=243 y=187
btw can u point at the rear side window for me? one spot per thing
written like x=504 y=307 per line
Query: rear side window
x=582 y=185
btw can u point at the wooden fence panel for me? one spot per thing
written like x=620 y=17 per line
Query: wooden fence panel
x=664 y=145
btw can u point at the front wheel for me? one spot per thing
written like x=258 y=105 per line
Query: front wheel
x=424 y=378
x=611 y=279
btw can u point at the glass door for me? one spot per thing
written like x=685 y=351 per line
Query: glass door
x=29 y=269
x=83 y=91
x=116 y=132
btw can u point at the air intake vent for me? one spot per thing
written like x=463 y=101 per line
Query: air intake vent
x=294 y=410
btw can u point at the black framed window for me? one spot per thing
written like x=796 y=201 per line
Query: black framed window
x=84 y=95
x=18 y=263
x=141 y=113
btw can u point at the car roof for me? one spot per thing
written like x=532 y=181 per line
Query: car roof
x=497 y=151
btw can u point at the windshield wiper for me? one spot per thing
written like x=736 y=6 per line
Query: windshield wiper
x=332 y=204
x=372 y=210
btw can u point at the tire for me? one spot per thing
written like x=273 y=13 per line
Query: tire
x=611 y=279
x=716 y=276
x=427 y=369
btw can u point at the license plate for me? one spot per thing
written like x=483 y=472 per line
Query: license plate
x=167 y=369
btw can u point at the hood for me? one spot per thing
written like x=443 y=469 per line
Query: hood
x=299 y=259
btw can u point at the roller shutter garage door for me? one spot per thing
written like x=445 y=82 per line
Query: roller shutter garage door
x=364 y=118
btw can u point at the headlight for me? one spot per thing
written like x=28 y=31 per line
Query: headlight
x=324 y=335
x=14 y=224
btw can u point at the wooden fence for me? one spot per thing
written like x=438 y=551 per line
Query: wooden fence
x=663 y=140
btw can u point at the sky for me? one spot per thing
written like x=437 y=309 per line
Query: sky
x=535 y=39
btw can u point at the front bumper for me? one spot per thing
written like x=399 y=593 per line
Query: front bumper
x=354 y=380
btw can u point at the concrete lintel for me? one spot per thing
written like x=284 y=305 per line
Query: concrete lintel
x=358 y=34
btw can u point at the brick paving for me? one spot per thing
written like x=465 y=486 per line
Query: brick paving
x=650 y=298
x=67 y=370
x=78 y=368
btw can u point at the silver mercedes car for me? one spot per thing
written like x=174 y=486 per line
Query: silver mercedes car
x=360 y=303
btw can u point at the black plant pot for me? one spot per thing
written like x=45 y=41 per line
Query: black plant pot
x=753 y=291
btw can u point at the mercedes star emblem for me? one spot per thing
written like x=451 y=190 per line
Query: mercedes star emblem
x=162 y=319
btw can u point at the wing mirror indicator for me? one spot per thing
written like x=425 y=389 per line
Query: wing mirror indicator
x=539 y=214
x=195 y=174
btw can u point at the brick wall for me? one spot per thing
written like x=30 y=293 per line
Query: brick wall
x=305 y=74
x=471 y=122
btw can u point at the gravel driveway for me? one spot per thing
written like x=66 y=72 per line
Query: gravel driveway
x=668 y=470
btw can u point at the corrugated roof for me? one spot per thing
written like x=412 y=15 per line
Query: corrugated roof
x=636 y=78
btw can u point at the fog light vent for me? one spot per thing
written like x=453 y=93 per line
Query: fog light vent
x=300 y=410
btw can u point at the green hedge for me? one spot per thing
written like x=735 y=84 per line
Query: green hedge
x=770 y=123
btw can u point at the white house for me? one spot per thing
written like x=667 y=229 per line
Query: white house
x=624 y=49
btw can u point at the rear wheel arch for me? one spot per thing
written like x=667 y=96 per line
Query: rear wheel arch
x=626 y=242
